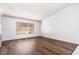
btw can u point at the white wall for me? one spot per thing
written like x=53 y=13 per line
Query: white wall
x=9 y=28
x=0 y=32
x=64 y=25
x=0 y=24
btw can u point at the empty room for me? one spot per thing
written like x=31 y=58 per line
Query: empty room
x=39 y=29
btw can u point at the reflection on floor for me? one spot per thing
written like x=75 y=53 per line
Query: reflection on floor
x=36 y=46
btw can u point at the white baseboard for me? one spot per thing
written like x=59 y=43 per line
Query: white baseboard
x=51 y=37
x=17 y=38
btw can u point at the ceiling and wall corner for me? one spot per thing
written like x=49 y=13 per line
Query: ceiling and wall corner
x=34 y=11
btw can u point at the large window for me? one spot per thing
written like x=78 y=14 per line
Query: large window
x=24 y=28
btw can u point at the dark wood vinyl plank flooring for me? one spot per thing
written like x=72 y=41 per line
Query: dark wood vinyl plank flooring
x=36 y=46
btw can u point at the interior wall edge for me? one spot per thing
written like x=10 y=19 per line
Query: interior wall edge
x=5 y=15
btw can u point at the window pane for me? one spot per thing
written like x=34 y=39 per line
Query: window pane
x=24 y=28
